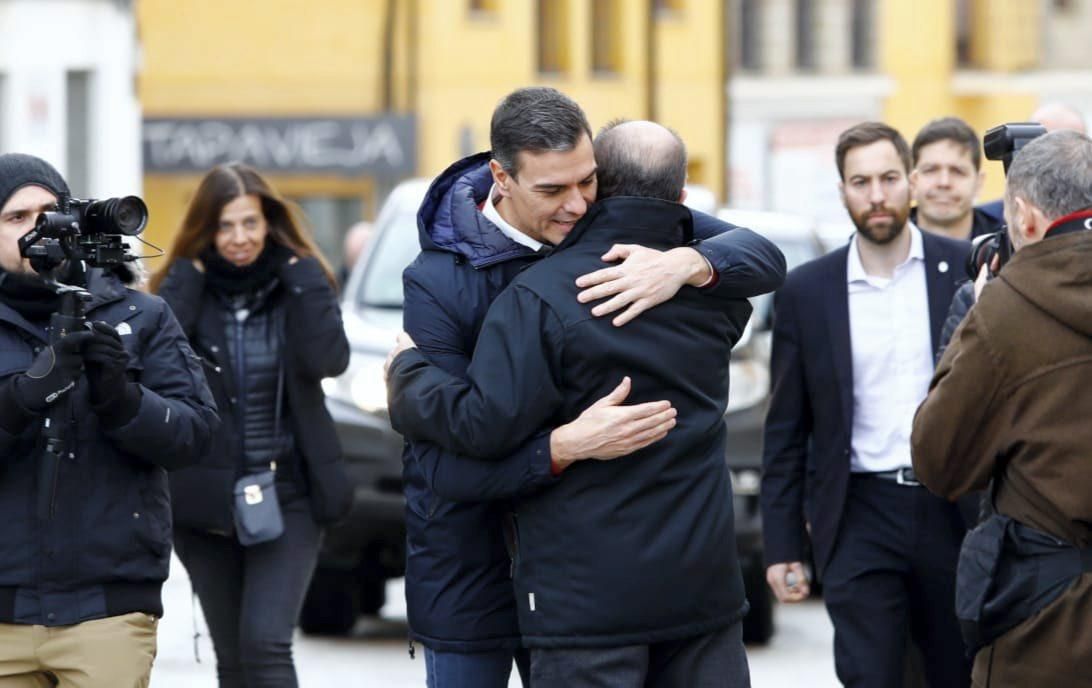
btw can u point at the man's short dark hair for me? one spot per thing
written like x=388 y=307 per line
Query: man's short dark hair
x=948 y=129
x=867 y=133
x=535 y=120
x=628 y=168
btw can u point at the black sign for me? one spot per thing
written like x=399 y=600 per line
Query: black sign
x=374 y=146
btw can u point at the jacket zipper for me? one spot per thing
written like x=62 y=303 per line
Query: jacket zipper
x=240 y=383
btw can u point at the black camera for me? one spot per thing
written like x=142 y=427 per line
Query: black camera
x=91 y=231
x=983 y=250
x=1000 y=143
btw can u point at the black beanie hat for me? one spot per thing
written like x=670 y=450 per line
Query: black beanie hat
x=18 y=170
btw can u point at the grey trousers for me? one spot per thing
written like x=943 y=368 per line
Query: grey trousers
x=714 y=660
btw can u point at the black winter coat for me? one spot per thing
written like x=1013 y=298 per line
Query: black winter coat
x=107 y=549
x=315 y=347
x=631 y=551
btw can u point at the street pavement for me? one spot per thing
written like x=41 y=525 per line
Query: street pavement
x=376 y=654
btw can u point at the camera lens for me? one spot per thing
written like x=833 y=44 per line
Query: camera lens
x=126 y=215
x=130 y=215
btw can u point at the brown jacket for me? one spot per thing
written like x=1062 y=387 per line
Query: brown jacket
x=1012 y=397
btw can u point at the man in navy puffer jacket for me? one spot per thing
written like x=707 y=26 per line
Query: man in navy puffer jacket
x=483 y=220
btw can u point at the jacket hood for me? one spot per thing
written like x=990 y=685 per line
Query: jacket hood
x=1055 y=274
x=449 y=218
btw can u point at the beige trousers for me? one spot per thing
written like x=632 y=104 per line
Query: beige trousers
x=116 y=652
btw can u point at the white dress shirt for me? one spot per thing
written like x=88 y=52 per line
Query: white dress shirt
x=892 y=357
x=490 y=212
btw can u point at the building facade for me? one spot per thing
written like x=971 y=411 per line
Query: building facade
x=401 y=88
x=67 y=94
x=804 y=70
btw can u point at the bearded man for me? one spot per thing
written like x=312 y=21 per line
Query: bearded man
x=854 y=338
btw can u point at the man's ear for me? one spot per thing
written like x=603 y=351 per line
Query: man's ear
x=501 y=178
x=842 y=193
x=682 y=195
x=979 y=181
x=1023 y=220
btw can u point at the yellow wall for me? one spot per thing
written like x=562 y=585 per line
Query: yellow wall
x=255 y=58
x=451 y=66
x=1005 y=40
x=472 y=61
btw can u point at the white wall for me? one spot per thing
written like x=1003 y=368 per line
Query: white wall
x=782 y=137
x=42 y=40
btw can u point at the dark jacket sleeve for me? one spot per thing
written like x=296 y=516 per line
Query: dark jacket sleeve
x=954 y=441
x=961 y=305
x=510 y=393
x=315 y=334
x=746 y=264
x=182 y=289
x=787 y=430
x=458 y=477
x=462 y=478
x=177 y=415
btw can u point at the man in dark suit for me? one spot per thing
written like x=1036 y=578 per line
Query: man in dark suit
x=854 y=338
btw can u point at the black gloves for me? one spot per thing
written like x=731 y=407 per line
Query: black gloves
x=52 y=374
x=114 y=398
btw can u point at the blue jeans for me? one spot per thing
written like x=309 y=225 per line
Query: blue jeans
x=474 y=670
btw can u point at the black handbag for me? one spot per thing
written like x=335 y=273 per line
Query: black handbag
x=257 y=510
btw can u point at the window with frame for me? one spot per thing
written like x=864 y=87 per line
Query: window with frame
x=963 y=32
x=606 y=39
x=553 y=36
x=483 y=7
x=749 y=35
x=805 y=35
x=862 y=34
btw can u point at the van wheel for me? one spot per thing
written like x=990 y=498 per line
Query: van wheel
x=332 y=604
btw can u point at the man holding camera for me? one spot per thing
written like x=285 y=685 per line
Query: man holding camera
x=86 y=540
x=1011 y=401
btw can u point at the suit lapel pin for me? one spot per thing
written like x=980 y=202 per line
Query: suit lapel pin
x=942 y=266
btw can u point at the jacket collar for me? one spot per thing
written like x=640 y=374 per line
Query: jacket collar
x=984 y=220
x=105 y=288
x=855 y=268
x=450 y=218
x=647 y=221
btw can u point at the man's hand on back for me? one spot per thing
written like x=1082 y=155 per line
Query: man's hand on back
x=607 y=429
x=645 y=278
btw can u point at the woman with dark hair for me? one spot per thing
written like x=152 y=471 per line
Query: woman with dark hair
x=257 y=301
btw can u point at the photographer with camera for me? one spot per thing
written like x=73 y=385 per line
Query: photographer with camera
x=1010 y=402
x=90 y=420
